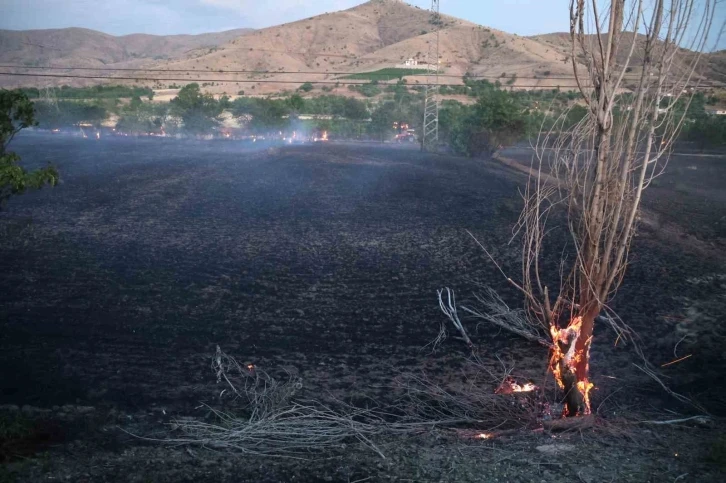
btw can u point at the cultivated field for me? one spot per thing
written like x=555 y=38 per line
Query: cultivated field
x=324 y=261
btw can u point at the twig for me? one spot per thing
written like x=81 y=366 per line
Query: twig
x=679 y=397
x=498 y=313
x=449 y=309
x=676 y=361
x=702 y=420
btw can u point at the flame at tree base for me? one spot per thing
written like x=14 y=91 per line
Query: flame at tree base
x=568 y=362
x=584 y=387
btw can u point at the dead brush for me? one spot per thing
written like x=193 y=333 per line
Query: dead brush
x=271 y=422
x=257 y=391
x=272 y=419
x=474 y=405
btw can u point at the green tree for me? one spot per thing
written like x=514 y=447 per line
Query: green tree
x=382 y=120
x=296 y=104
x=200 y=112
x=224 y=102
x=16 y=113
x=354 y=109
x=496 y=120
x=135 y=103
x=142 y=117
x=707 y=131
x=307 y=87
x=451 y=116
x=369 y=90
x=68 y=113
x=134 y=123
x=576 y=114
x=479 y=87
x=264 y=115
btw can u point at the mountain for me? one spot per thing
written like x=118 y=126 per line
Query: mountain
x=374 y=35
x=340 y=41
x=78 y=47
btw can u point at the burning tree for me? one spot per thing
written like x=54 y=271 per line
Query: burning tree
x=597 y=170
x=592 y=175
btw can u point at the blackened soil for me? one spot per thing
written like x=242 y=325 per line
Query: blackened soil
x=323 y=261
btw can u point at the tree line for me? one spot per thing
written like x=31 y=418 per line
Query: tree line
x=498 y=117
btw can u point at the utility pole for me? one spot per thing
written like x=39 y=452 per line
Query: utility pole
x=430 y=135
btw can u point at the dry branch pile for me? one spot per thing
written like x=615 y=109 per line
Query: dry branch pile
x=271 y=422
x=272 y=419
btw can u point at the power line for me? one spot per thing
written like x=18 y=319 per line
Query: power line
x=229 y=81
x=273 y=72
x=223 y=71
x=257 y=81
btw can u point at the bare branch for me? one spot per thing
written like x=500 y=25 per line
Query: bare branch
x=448 y=307
x=497 y=312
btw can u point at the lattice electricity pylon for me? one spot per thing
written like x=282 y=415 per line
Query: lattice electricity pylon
x=50 y=98
x=431 y=104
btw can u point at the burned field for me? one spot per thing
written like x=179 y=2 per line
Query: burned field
x=323 y=262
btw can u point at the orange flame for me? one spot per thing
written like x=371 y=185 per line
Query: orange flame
x=525 y=388
x=510 y=386
x=567 y=337
x=584 y=388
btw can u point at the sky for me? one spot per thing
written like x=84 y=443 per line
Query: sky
x=164 y=17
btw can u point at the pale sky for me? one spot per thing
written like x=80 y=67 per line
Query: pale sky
x=163 y=17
